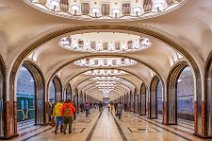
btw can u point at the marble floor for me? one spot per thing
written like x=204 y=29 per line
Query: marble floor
x=106 y=126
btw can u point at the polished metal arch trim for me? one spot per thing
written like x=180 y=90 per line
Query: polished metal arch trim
x=38 y=76
x=58 y=88
x=208 y=94
x=171 y=111
x=3 y=93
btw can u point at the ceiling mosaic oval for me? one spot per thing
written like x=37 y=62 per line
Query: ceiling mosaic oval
x=105 y=62
x=105 y=42
x=104 y=10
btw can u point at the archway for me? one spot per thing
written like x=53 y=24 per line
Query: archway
x=52 y=93
x=2 y=97
x=68 y=93
x=143 y=100
x=208 y=84
x=25 y=94
x=159 y=99
x=136 y=102
x=180 y=98
x=185 y=95
x=58 y=88
x=34 y=84
x=155 y=89
x=1 y=104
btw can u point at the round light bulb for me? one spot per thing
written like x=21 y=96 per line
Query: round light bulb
x=116 y=11
x=55 y=2
x=137 y=10
x=75 y=8
x=95 y=10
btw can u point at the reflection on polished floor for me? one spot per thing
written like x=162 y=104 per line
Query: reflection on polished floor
x=106 y=127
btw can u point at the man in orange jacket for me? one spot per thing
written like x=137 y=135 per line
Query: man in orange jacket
x=67 y=111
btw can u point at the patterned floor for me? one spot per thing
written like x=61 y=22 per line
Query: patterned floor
x=106 y=126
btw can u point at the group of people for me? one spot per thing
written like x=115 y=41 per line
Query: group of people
x=118 y=108
x=63 y=114
x=85 y=107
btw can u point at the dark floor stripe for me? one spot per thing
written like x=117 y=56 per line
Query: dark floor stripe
x=93 y=128
x=165 y=129
x=124 y=138
x=37 y=134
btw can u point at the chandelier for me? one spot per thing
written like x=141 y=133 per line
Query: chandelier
x=105 y=62
x=105 y=72
x=104 y=9
x=105 y=42
x=107 y=82
x=106 y=78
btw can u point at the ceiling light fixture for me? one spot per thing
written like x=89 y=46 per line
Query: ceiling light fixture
x=103 y=72
x=105 y=42
x=104 y=9
x=105 y=62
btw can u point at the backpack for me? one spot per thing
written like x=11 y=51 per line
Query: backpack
x=67 y=112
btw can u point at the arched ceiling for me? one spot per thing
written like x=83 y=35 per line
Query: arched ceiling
x=22 y=26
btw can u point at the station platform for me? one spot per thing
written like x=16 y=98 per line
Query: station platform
x=105 y=126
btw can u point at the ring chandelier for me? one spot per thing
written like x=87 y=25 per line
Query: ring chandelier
x=105 y=62
x=103 y=72
x=107 y=82
x=106 y=85
x=105 y=42
x=104 y=9
x=106 y=78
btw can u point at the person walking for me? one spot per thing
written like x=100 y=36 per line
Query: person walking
x=81 y=107
x=68 y=112
x=119 y=110
x=58 y=115
x=75 y=106
x=100 y=106
x=115 y=107
x=109 y=107
x=87 y=108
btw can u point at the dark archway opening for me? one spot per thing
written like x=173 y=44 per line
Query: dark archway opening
x=143 y=100
x=185 y=95
x=159 y=99
x=52 y=93
x=25 y=94
x=208 y=81
x=1 y=104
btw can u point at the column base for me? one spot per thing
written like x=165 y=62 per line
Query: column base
x=9 y=137
x=201 y=136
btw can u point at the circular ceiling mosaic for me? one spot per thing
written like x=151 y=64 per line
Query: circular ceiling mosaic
x=105 y=62
x=105 y=72
x=105 y=42
x=105 y=10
